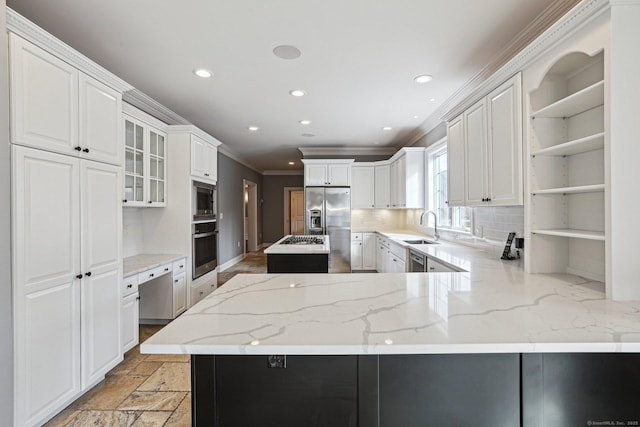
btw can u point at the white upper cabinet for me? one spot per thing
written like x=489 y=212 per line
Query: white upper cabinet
x=456 y=162
x=407 y=178
x=485 y=150
x=382 y=183
x=55 y=107
x=145 y=166
x=204 y=160
x=476 y=153
x=327 y=172
x=363 y=186
x=504 y=109
x=100 y=121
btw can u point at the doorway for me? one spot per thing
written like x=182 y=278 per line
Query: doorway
x=250 y=197
x=293 y=210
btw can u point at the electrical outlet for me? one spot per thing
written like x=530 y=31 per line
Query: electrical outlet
x=238 y=243
x=277 y=361
x=221 y=215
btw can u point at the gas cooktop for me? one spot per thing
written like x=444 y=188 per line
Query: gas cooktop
x=303 y=239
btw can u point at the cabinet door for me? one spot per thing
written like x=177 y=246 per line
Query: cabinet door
x=315 y=175
x=157 y=169
x=212 y=162
x=199 y=158
x=456 y=161
x=44 y=99
x=46 y=247
x=362 y=188
x=393 y=184
x=179 y=294
x=356 y=255
x=100 y=122
x=381 y=257
x=401 y=188
x=130 y=319
x=369 y=251
x=101 y=258
x=504 y=107
x=476 y=153
x=339 y=175
x=134 y=164
x=382 y=182
x=436 y=267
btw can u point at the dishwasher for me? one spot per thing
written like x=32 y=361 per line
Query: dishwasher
x=417 y=262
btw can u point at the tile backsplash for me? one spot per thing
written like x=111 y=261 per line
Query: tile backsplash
x=495 y=223
x=377 y=219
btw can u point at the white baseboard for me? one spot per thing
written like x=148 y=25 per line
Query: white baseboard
x=230 y=263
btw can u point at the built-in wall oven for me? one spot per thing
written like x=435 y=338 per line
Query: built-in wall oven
x=204 y=201
x=205 y=247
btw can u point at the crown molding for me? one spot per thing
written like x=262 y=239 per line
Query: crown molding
x=283 y=172
x=194 y=130
x=347 y=151
x=136 y=113
x=152 y=107
x=21 y=26
x=224 y=149
x=555 y=23
x=624 y=2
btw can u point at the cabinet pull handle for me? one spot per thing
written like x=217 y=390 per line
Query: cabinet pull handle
x=166 y=269
x=175 y=281
x=206 y=174
x=138 y=298
x=182 y=266
x=88 y=274
x=124 y=200
x=79 y=276
x=201 y=292
x=86 y=150
x=446 y=202
x=78 y=148
x=151 y=275
x=129 y=286
x=150 y=202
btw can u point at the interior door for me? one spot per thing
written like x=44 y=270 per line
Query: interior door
x=297 y=212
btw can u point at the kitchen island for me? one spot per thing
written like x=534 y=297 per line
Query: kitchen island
x=493 y=346
x=299 y=253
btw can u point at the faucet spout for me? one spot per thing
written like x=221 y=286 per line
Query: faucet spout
x=436 y=235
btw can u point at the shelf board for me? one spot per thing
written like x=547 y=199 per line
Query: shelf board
x=595 y=188
x=576 y=234
x=577 y=146
x=576 y=103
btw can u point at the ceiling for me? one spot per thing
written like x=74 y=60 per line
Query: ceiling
x=357 y=65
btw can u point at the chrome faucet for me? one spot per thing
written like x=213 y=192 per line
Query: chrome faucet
x=436 y=235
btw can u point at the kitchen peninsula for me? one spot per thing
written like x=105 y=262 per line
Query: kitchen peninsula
x=494 y=345
x=299 y=253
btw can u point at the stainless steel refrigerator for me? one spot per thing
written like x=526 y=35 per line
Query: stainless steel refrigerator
x=328 y=211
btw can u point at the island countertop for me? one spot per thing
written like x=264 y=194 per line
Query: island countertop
x=280 y=248
x=494 y=307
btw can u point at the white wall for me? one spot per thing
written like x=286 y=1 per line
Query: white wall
x=132 y=232
x=6 y=313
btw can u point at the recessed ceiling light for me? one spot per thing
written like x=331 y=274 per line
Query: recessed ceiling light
x=432 y=100
x=202 y=72
x=305 y=122
x=286 y=52
x=387 y=128
x=308 y=135
x=424 y=78
x=253 y=128
x=297 y=92
x=415 y=117
x=291 y=163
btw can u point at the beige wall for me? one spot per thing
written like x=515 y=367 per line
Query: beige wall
x=6 y=341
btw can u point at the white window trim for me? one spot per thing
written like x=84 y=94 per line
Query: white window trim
x=430 y=150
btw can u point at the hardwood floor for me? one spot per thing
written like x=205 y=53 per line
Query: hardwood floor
x=146 y=389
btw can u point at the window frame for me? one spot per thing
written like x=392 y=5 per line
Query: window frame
x=433 y=150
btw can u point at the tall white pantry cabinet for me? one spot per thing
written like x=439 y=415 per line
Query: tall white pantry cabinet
x=67 y=154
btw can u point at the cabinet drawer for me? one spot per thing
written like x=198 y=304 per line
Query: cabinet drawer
x=179 y=266
x=145 y=276
x=201 y=291
x=129 y=285
x=356 y=236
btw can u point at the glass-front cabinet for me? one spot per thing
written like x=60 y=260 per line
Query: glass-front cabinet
x=145 y=164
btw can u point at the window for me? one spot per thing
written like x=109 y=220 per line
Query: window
x=456 y=218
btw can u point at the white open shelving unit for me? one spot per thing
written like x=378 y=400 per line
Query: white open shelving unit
x=567 y=174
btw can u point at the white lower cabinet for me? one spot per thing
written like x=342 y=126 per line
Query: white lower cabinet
x=67 y=262
x=434 y=266
x=130 y=320
x=382 y=249
x=201 y=290
x=396 y=257
x=163 y=291
x=179 y=294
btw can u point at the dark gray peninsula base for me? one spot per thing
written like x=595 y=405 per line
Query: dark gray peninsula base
x=297 y=263
x=492 y=390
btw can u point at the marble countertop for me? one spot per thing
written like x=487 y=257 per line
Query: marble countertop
x=139 y=263
x=494 y=307
x=278 y=248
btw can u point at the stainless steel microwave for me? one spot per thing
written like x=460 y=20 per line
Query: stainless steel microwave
x=204 y=201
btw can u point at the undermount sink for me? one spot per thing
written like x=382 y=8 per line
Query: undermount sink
x=420 y=242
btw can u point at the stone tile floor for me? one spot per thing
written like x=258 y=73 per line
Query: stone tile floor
x=146 y=389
